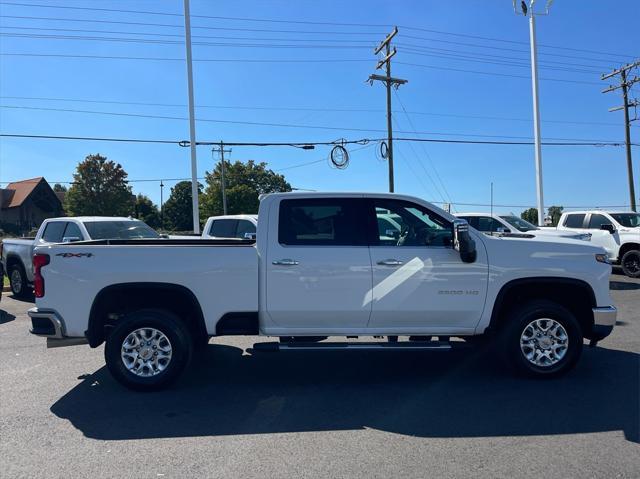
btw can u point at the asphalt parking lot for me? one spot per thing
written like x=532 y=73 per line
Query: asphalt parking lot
x=341 y=414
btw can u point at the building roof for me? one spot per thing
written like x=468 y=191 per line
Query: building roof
x=21 y=191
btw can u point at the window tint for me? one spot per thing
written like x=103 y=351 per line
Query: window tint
x=119 y=230
x=414 y=225
x=630 y=220
x=72 y=231
x=489 y=225
x=245 y=227
x=574 y=221
x=322 y=221
x=53 y=231
x=223 y=228
x=472 y=220
x=596 y=220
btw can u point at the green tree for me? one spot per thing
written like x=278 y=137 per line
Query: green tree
x=555 y=212
x=178 y=208
x=99 y=187
x=244 y=183
x=58 y=188
x=530 y=215
x=146 y=211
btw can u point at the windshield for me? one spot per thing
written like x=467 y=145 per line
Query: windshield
x=519 y=223
x=630 y=220
x=119 y=230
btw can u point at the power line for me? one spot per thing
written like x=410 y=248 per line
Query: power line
x=307 y=22
x=301 y=108
x=278 y=125
x=361 y=141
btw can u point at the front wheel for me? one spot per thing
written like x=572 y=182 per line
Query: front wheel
x=630 y=263
x=148 y=349
x=542 y=339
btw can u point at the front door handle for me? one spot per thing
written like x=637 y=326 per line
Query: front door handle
x=390 y=262
x=285 y=262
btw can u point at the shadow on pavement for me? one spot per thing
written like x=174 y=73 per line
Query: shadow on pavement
x=623 y=286
x=6 y=317
x=417 y=394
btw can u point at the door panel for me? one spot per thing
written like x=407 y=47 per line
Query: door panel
x=420 y=282
x=319 y=269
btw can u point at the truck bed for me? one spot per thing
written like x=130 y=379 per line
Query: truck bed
x=222 y=274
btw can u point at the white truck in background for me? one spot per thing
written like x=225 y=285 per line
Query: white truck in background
x=324 y=266
x=493 y=223
x=618 y=232
x=18 y=252
x=231 y=226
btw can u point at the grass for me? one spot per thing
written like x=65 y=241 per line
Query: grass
x=5 y=281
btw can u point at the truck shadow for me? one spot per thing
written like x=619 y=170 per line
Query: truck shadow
x=417 y=394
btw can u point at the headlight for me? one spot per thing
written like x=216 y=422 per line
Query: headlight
x=602 y=258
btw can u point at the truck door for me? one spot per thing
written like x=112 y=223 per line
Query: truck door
x=420 y=283
x=318 y=270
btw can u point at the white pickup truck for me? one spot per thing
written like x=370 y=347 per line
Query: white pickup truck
x=618 y=232
x=17 y=252
x=231 y=226
x=322 y=266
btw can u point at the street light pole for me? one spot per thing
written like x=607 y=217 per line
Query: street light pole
x=536 y=116
x=530 y=12
x=192 y=122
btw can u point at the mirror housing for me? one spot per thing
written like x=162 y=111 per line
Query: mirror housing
x=462 y=241
x=250 y=236
x=71 y=239
x=608 y=227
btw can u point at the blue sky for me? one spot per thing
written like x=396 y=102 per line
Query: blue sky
x=321 y=98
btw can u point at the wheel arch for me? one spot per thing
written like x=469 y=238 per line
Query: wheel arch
x=626 y=247
x=114 y=301
x=574 y=294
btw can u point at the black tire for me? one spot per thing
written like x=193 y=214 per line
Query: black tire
x=630 y=263
x=19 y=287
x=520 y=319
x=171 y=327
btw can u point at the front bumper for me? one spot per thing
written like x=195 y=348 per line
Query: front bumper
x=604 y=319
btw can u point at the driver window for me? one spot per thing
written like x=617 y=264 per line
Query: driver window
x=401 y=223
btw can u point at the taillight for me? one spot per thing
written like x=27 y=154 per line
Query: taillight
x=39 y=260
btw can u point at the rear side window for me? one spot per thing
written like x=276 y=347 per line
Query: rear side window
x=488 y=224
x=323 y=221
x=574 y=221
x=597 y=220
x=223 y=228
x=472 y=220
x=72 y=231
x=245 y=227
x=53 y=231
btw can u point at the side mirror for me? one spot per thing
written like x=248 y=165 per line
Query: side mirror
x=502 y=229
x=70 y=239
x=462 y=241
x=608 y=227
x=250 y=236
x=164 y=235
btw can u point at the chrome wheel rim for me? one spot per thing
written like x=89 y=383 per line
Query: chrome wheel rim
x=16 y=281
x=544 y=342
x=146 y=352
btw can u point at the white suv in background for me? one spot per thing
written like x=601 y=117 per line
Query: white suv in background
x=618 y=232
x=495 y=223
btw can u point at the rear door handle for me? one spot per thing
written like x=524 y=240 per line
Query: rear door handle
x=390 y=262
x=285 y=262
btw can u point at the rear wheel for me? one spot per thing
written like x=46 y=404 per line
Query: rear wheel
x=18 y=281
x=542 y=339
x=148 y=349
x=630 y=263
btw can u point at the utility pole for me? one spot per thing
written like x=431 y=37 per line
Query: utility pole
x=625 y=83
x=529 y=12
x=161 y=205
x=222 y=151
x=192 y=121
x=389 y=81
